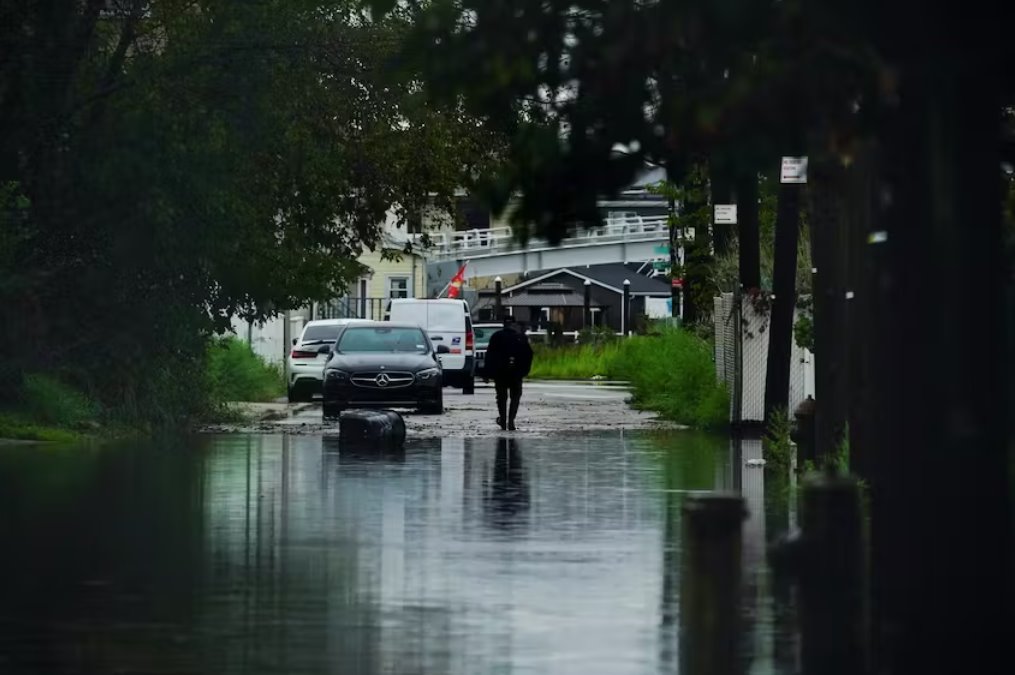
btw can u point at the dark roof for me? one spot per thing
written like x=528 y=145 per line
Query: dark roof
x=610 y=275
x=526 y=299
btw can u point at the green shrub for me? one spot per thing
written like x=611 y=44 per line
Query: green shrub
x=777 y=444
x=50 y=402
x=236 y=373
x=670 y=372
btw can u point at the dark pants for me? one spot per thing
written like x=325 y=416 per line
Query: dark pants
x=508 y=386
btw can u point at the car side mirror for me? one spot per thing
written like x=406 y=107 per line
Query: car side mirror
x=324 y=349
x=295 y=340
x=443 y=349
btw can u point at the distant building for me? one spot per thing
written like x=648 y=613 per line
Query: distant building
x=557 y=297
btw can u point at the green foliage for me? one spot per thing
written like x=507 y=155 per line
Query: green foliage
x=670 y=372
x=597 y=335
x=18 y=427
x=803 y=329
x=236 y=373
x=48 y=409
x=163 y=169
x=579 y=362
x=51 y=402
x=776 y=445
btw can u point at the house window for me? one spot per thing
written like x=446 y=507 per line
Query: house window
x=398 y=287
x=594 y=316
x=546 y=314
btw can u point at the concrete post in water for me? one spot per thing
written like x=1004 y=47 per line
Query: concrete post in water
x=626 y=313
x=834 y=618
x=497 y=299
x=587 y=315
x=710 y=585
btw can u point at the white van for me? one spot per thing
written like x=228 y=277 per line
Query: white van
x=448 y=323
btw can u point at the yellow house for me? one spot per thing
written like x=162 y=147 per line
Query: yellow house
x=391 y=273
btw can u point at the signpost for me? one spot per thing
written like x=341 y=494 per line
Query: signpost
x=794 y=170
x=725 y=214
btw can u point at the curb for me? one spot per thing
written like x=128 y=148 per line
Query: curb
x=273 y=415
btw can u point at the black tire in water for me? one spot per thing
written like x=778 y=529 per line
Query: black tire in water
x=435 y=408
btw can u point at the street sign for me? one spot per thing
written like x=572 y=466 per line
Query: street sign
x=725 y=214
x=678 y=283
x=660 y=264
x=794 y=170
x=662 y=250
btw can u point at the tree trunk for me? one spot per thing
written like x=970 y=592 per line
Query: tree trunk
x=697 y=258
x=780 y=336
x=859 y=204
x=942 y=559
x=829 y=253
x=746 y=194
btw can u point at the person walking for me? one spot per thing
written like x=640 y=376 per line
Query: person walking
x=508 y=360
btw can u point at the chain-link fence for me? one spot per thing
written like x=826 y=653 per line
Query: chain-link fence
x=741 y=357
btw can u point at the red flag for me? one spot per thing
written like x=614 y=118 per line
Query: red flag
x=455 y=287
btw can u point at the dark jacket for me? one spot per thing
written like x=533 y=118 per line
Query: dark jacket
x=508 y=355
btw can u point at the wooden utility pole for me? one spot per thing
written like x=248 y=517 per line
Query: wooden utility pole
x=941 y=491
x=829 y=255
x=746 y=196
x=780 y=331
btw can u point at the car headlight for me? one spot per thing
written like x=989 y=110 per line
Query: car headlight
x=334 y=375
x=428 y=374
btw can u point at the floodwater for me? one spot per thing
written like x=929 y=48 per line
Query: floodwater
x=277 y=554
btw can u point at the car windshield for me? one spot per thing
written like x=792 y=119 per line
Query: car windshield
x=483 y=334
x=321 y=333
x=382 y=339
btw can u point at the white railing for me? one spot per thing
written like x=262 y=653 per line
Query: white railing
x=501 y=239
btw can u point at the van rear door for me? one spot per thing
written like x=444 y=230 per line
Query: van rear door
x=446 y=326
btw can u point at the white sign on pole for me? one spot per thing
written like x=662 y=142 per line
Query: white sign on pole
x=725 y=214
x=794 y=170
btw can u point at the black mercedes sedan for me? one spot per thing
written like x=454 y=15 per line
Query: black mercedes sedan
x=383 y=364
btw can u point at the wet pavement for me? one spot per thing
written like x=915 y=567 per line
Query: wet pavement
x=547 y=408
x=286 y=553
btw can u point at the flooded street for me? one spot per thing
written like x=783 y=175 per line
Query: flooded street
x=288 y=554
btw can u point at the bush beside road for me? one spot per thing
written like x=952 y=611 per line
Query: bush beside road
x=49 y=409
x=670 y=372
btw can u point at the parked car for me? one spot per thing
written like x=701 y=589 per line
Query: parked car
x=383 y=364
x=447 y=323
x=483 y=332
x=309 y=354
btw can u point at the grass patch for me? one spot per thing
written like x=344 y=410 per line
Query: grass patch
x=236 y=373
x=48 y=401
x=17 y=427
x=671 y=372
x=49 y=410
x=581 y=362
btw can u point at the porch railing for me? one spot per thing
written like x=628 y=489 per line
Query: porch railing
x=353 y=308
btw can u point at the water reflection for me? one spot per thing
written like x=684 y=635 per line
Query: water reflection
x=507 y=495
x=286 y=554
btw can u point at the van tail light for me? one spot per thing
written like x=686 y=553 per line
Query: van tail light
x=470 y=340
x=299 y=354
